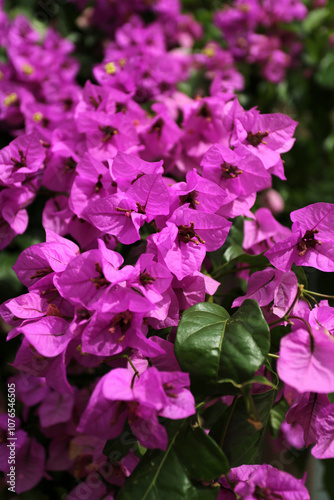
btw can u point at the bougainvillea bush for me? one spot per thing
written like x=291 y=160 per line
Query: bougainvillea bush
x=167 y=344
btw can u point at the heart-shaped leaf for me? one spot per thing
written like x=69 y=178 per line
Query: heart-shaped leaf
x=191 y=457
x=243 y=437
x=213 y=346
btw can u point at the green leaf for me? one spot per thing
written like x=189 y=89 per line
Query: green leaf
x=191 y=456
x=120 y=446
x=212 y=412
x=213 y=346
x=233 y=252
x=200 y=454
x=277 y=333
x=325 y=74
x=141 y=450
x=243 y=441
x=199 y=342
x=328 y=482
x=331 y=397
x=217 y=259
x=234 y=240
x=277 y=416
x=163 y=333
x=222 y=267
x=315 y=19
x=10 y=285
x=301 y=276
x=256 y=261
x=246 y=342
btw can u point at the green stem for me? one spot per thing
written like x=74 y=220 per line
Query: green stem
x=119 y=356
x=302 y=320
x=280 y=320
x=307 y=296
x=219 y=268
x=309 y=292
x=227 y=423
x=232 y=487
x=273 y=355
x=298 y=294
x=200 y=405
x=132 y=365
x=308 y=327
x=125 y=356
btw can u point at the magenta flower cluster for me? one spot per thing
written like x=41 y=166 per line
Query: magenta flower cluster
x=138 y=198
x=256 y=32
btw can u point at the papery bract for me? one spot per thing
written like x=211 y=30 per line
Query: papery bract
x=252 y=482
x=305 y=361
x=324 y=430
x=311 y=241
x=271 y=285
x=263 y=232
x=304 y=411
